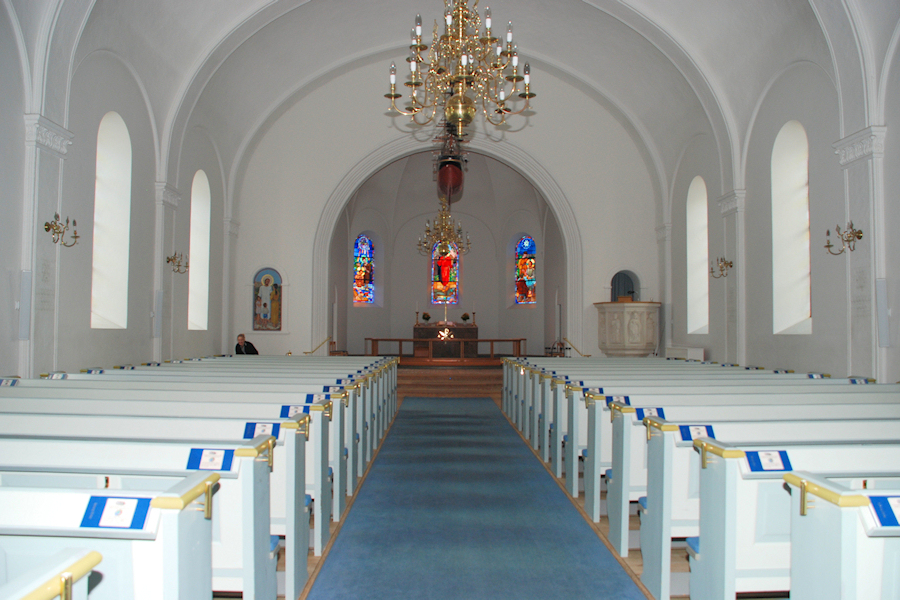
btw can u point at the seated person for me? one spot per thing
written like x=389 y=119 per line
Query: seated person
x=243 y=346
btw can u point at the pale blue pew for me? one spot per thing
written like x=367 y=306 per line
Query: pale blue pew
x=845 y=540
x=156 y=545
x=65 y=572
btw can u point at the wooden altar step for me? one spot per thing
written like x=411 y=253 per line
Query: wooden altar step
x=454 y=382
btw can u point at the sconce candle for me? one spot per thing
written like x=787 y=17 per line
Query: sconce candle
x=723 y=266
x=179 y=265
x=848 y=238
x=58 y=231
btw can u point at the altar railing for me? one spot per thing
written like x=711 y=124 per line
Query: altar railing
x=376 y=346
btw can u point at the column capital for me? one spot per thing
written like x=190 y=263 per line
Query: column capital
x=732 y=202
x=167 y=195
x=43 y=133
x=868 y=143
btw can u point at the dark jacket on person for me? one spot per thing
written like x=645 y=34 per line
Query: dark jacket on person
x=247 y=348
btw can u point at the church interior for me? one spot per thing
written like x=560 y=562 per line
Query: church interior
x=180 y=173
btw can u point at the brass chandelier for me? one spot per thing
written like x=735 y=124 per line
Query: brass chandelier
x=466 y=68
x=443 y=232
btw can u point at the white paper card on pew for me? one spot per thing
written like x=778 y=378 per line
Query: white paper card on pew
x=691 y=432
x=768 y=460
x=251 y=430
x=886 y=509
x=622 y=399
x=210 y=459
x=116 y=513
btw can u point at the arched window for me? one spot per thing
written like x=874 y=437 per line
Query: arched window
x=526 y=291
x=445 y=273
x=112 y=225
x=697 y=230
x=363 y=266
x=791 y=303
x=198 y=275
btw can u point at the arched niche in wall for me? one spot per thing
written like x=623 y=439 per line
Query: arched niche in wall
x=625 y=283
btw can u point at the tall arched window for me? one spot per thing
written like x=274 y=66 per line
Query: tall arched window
x=445 y=273
x=697 y=229
x=363 y=266
x=791 y=301
x=526 y=290
x=112 y=225
x=198 y=275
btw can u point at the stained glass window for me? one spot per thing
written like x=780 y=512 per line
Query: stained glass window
x=445 y=273
x=363 y=265
x=525 y=280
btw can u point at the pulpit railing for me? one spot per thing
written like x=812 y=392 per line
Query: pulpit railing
x=424 y=348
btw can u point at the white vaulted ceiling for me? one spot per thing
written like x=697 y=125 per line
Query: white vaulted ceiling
x=671 y=70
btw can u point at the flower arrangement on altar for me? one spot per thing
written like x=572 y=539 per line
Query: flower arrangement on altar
x=465 y=317
x=426 y=317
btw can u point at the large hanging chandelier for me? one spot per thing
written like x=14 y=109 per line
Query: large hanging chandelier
x=443 y=232
x=467 y=67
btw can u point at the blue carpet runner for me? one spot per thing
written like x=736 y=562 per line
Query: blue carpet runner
x=457 y=506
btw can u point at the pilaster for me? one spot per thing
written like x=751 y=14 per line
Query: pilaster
x=664 y=247
x=46 y=147
x=167 y=200
x=861 y=157
x=731 y=208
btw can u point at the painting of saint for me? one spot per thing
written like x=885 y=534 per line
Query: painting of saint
x=267 y=300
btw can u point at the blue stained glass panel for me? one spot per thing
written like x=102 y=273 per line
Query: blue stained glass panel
x=363 y=267
x=526 y=287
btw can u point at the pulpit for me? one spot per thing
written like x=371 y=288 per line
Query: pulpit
x=445 y=332
x=627 y=328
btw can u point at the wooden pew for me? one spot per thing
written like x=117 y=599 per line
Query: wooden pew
x=671 y=508
x=50 y=577
x=581 y=425
x=628 y=439
x=155 y=544
x=744 y=543
x=204 y=432
x=209 y=400
x=844 y=538
x=242 y=556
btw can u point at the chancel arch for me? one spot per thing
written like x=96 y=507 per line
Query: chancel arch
x=530 y=172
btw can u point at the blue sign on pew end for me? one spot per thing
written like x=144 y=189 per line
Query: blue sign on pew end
x=108 y=512
x=691 y=432
x=649 y=412
x=886 y=508
x=766 y=461
x=251 y=430
x=210 y=459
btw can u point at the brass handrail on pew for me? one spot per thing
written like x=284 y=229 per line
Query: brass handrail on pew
x=518 y=345
x=576 y=349
x=313 y=351
x=60 y=586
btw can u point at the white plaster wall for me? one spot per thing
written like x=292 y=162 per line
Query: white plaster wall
x=699 y=159
x=587 y=151
x=12 y=144
x=806 y=94
x=102 y=83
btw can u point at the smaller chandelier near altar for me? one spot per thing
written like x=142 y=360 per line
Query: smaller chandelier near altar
x=467 y=69
x=443 y=232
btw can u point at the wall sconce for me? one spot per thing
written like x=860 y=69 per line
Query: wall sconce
x=58 y=231
x=723 y=266
x=848 y=238
x=177 y=265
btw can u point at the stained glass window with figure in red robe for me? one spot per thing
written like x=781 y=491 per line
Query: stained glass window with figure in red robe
x=526 y=287
x=445 y=273
x=363 y=265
